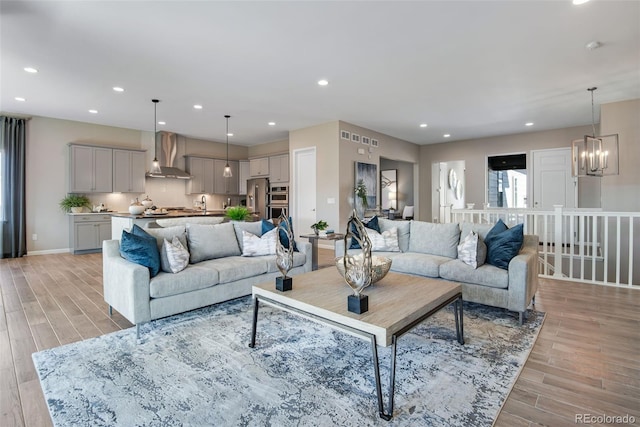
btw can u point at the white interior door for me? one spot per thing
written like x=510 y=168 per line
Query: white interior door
x=552 y=180
x=304 y=189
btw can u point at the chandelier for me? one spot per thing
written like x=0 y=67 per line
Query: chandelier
x=595 y=155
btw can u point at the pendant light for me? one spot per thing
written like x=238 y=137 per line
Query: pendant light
x=227 y=169
x=595 y=155
x=155 y=166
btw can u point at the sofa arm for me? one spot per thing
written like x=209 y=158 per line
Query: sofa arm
x=126 y=284
x=523 y=275
x=304 y=247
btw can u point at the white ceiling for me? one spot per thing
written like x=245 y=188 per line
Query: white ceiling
x=467 y=68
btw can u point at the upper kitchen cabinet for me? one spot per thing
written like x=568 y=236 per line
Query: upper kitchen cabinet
x=226 y=185
x=279 y=168
x=259 y=167
x=91 y=169
x=128 y=171
x=243 y=176
x=202 y=175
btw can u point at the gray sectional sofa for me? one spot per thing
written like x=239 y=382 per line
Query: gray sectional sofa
x=140 y=298
x=429 y=249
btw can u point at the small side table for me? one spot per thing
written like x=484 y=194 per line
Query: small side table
x=313 y=239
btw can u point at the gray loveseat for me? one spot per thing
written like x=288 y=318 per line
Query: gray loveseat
x=140 y=298
x=429 y=249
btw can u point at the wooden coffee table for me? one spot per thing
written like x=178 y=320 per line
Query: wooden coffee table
x=397 y=304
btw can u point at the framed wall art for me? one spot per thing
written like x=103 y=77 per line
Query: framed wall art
x=368 y=174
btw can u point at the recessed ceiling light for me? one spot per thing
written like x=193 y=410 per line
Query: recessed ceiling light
x=323 y=82
x=93 y=111
x=446 y=135
x=577 y=2
x=593 y=45
x=423 y=125
x=30 y=70
x=229 y=134
x=529 y=124
x=272 y=123
x=19 y=98
x=198 y=107
x=162 y=123
x=118 y=89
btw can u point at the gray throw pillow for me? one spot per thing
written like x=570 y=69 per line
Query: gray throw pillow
x=168 y=233
x=434 y=238
x=212 y=241
x=472 y=251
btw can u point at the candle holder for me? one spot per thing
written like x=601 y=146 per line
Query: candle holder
x=357 y=268
x=284 y=254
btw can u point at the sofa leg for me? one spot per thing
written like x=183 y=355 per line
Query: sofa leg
x=521 y=318
x=533 y=300
x=110 y=311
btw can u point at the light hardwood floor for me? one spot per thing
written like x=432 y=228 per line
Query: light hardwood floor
x=585 y=361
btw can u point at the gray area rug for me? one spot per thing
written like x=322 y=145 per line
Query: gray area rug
x=196 y=369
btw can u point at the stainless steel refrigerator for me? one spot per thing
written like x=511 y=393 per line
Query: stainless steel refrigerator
x=258 y=196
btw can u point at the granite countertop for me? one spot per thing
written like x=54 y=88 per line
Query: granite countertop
x=171 y=214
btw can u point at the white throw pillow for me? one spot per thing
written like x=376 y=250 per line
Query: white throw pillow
x=253 y=245
x=386 y=241
x=472 y=250
x=175 y=256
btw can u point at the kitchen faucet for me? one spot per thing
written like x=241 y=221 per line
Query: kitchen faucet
x=204 y=203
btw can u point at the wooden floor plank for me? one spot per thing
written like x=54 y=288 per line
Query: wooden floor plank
x=585 y=358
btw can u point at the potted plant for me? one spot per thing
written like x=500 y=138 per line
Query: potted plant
x=74 y=203
x=319 y=226
x=237 y=213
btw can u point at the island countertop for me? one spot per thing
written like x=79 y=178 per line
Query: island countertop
x=171 y=214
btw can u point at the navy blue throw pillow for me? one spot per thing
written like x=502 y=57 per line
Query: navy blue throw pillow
x=268 y=226
x=372 y=224
x=503 y=245
x=141 y=248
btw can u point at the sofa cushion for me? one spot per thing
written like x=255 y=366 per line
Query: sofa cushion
x=404 y=231
x=235 y=268
x=191 y=278
x=503 y=245
x=472 y=250
x=174 y=256
x=254 y=228
x=434 y=239
x=141 y=248
x=416 y=263
x=298 y=260
x=253 y=245
x=385 y=241
x=372 y=224
x=481 y=229
x=212 y=241
x=486 y=275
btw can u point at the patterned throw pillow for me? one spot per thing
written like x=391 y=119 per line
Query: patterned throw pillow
x=253 y=245
x=175 y=256
x=386 y=241
x=472 y=250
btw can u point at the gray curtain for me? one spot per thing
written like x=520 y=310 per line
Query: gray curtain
x=13 y=153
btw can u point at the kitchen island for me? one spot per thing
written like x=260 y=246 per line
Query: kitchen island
x=123 y=220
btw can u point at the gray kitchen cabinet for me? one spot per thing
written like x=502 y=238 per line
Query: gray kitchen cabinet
x=128 y=171
x=202 y=175
x=226 y=185
x=87 y=231
x=91 y=169
x=259 y=167
x=243 y=176
x=279 y=168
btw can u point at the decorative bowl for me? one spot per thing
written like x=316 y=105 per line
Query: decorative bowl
x=379 y=267
x=136 y=209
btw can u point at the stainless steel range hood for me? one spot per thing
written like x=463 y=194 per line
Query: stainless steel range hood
x=167 y=148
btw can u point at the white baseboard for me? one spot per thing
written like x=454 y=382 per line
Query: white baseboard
x=49 y=251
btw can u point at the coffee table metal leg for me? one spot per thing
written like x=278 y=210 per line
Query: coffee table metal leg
x=457 y=310
x=392 y=376
x=255 y=323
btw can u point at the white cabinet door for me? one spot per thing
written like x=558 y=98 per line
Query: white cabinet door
x=91 y=169
x=128 y=171
x=279 y=168
x=259 y=167
x=243 y=176
x=103 y=170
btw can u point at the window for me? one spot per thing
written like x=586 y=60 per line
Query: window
x=507 y=185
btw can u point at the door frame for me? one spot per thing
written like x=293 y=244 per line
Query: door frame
x=293 y=184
